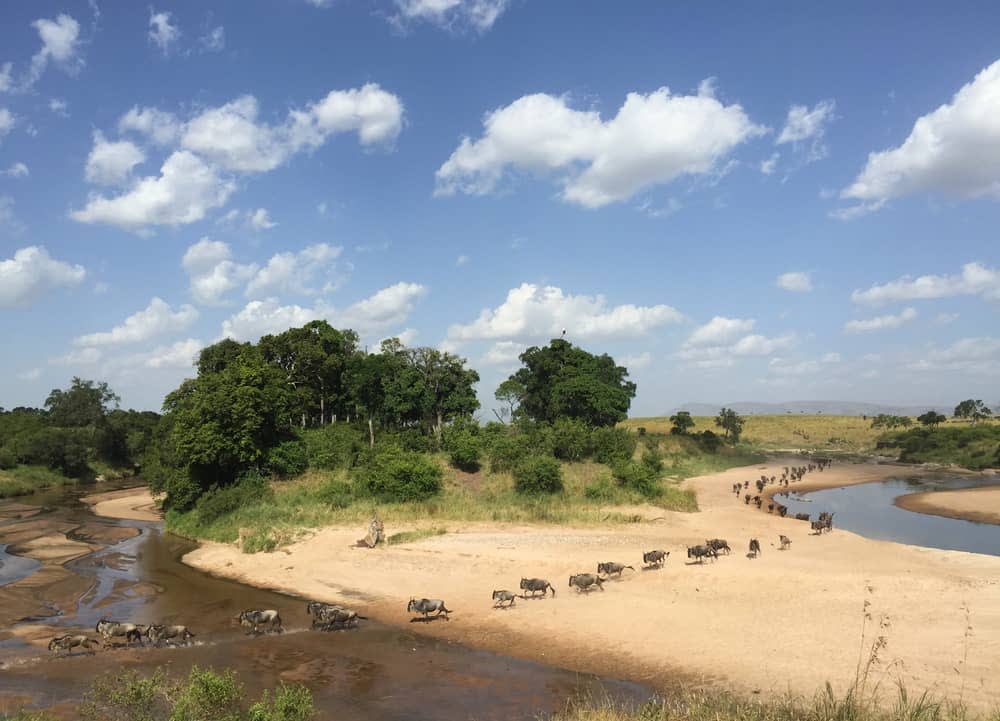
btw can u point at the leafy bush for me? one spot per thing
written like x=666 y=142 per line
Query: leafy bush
x=337 y=445
x=290 y=703
x=251 y=488
x=415 y=440
x=463 y=442
x=339 y=494
x=613 y=444
x=400 y=476
x=637 y=477
x=538 y=474
x=288 y=459
x=570 y=439
x=653 y=462
x=8 y=459
x=507 y=450
x=709 y=441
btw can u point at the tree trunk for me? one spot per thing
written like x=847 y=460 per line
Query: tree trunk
x=322 y=411
x=437 y=429
x=371 y=432
x=303 y=420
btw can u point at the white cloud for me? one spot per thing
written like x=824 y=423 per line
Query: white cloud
x=389 y=306
x=59 y=107
x=830 y=358
x=31 y=273
x=479 y=15
x=945 y=318
x=60 y=45
x=975 y=279
x=30 y=375
x=8 y=219
x=294 y=272
x=7 y=122
x=535 y=312
x=212 y=272
x=882 y=322
x=162 y=33
x=968 y=355
x=214 y=40
x=767 y=166
x=161 y=127
x=16 y=170
x=461 y=260
x=804 y=123
x=261 y=317
x=406 y=337
x=181 y=354
x=719 y=331
x=653 y=139
x=503 y=353
x=184 y=191
x=635 y=362
x=780 y=367
x=111 y=163
x=796 y=282
x=83 y=356
x=260 y=220
x=157 y=318
x=954 y=149
x=6 y=77
x=758 y=345
x=320 y=3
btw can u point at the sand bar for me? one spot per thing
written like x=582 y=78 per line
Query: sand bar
x=134 y=504
x=981 y=505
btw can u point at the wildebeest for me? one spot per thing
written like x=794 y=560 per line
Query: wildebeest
x=609 y=567
x=785 y=542
x=746 y=499
x=428 y=605
x=329 y=615
x=255 y=618
x=782 y=510
x=158 y=633
x=754 y=548
x=770 y=508
x=701 y=553
x=586 y=581
x=537 y=584
x=801 y=516
x=501 y=597
x=718 y=544
x=110 y=629
x=655 y=558
x=68 y=643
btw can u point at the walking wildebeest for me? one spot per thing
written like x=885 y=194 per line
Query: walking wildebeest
x=500 y=597
x=329 y=615
x=609 y=567
x=110 y=629
x=701 y=553
x=801 y=516
x=68 y=643
x=157 y=633
x=785 y=542
x=537 y=584
x=426 y=606
x=718 y=544
x=754 y=548
x=655 y=558
x=255 y=618
x=586 y=581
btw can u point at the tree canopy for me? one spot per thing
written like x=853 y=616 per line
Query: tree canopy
x=731 y=422
x=931 y=419
x=973 y=410
x=682 y=423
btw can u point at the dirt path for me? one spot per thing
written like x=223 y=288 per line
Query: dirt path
x=787 y=620
x=981 y=505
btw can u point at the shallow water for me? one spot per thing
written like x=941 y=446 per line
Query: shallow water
x=374 y=672
x=868 y=509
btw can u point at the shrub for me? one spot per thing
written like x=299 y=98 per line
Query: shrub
x=251 y=488
x=290 y=703
x=612 y=444
x=400 y=476
x=337 y=445
x=709 y=441
x=570 y=439
x=288 y=459
x=538 y=474
x=465 y=452
x=637 y=477
x=415 y=440
x=602 y=491
x=339 y=494
x=653 y=461
x=508 y=450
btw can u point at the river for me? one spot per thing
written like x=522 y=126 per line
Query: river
x=375 y=672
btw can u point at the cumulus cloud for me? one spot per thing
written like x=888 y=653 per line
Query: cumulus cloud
x=32 y=273
x=719 y=331
x=59 y=107
x=162 y=32
x=796 y=282
x=717 y=343
x=161 y=127
x=635 y=362
x=60 y=45
x=186 y=189
x=975 y=279
x=969 y=355
x=805 y=123
x=653 y=139
x=181 y=354
x=16 y=170
x=260 y=220
x=294 y=272
x=954 y=149
x=533 y=312
x=83 y=356
x=882 y=322
x=212 y=272
x=158 y=318
x=479 y=15
x=389 y=306
x=503 y=353
x=111 y=163
x=767 y=166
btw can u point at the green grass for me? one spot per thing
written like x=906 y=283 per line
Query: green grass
x=25 y=480
x=970 y=446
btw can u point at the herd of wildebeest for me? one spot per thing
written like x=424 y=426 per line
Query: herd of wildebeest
x=328 y=616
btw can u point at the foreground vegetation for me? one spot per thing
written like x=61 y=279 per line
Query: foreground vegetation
x=974 y=447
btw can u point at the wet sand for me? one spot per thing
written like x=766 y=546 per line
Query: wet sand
x=785 y=621
x=981 y=505
x=135 y=504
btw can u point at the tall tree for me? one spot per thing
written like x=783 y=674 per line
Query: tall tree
x=973 y=410
x=511 y=393
x=84 y=403
x=682 y=423
x=731 y=422
x=931 y=419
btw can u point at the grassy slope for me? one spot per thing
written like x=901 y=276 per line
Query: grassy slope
x=25 y=480
x=974 y=447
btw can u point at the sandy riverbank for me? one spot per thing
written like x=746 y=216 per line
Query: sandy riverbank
x=787 y=620
x=136 y=504
x=981 y=505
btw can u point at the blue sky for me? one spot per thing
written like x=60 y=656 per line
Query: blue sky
x=739 y=202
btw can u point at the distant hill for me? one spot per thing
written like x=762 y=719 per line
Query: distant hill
x=828 y=408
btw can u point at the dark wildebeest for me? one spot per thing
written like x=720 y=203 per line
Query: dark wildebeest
x=501 y=597
x=785 y=542
x=428 y=605
x=158 y=633
x=655 y=558
x=701 y=553
x=770 y=508
x=782 y=510
x=327 y=616
x=754 y=548
x=68 y=643
x=110 y=629
x=746 y=499
x=255 y=618
x=586 y=582
x=609 y=567
x=801 y=516
x=537 y=584
x=718 y=544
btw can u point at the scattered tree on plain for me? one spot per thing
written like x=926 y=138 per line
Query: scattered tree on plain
x=731 y=422
x=682 y=423
x=974 y=411
x=931 y=419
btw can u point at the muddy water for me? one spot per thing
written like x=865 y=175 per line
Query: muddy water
x=374 y=672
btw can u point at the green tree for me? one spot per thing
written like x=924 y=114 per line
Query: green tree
x=931 y=419
x=731 y=422
x=365 y=383
x=891 y=422
x=561 y=380
x=974 y=411
x=510 y=393
x=84 y=403
x=682 y=423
